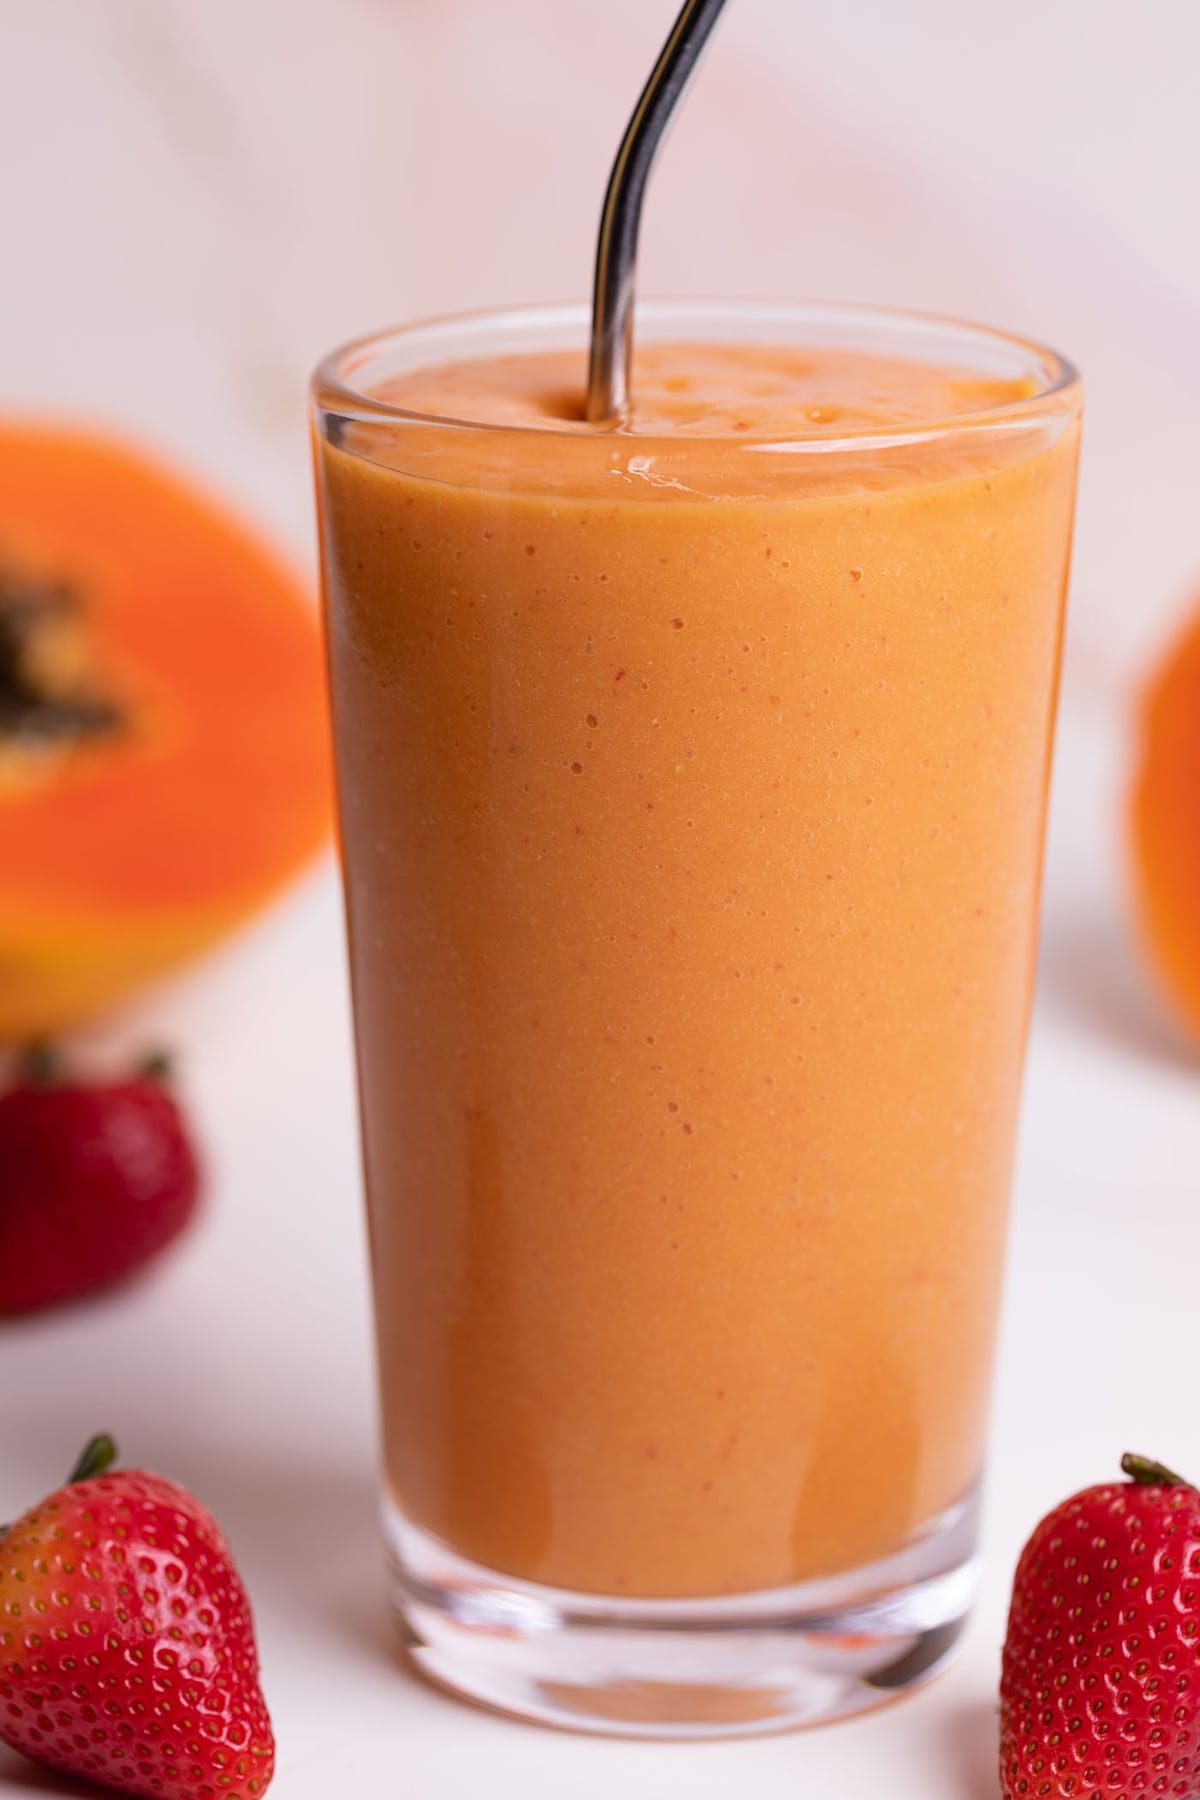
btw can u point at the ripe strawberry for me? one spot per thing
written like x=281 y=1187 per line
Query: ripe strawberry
x=1100 y=1689
x=94 y=1181
x=126 y=1645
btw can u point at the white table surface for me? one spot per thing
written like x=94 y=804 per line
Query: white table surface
x=241 y=1367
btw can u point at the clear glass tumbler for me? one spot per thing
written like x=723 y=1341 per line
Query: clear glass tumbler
x=692 y=791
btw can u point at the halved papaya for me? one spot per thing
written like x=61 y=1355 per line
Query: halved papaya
x=1165 y=819
x=164 y=761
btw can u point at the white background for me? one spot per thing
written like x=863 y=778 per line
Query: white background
x=199 y=198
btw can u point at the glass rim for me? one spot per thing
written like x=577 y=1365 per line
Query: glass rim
x=1060 y=393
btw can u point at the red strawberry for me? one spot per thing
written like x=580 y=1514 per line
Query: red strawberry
x=1100 y=1690
x=94 y=1181
x=126 y=1645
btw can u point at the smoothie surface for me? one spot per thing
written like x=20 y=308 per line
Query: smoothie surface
x=712 y=390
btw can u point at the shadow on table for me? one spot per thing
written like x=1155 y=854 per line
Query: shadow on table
x=307 y=1540
x=971 y=1742
x=1090 y=972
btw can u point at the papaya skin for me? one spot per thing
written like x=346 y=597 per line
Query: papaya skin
x=172 y=773
x=1164 y=826
x=53 y=980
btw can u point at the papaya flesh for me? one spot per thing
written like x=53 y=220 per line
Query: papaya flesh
x=164 y=759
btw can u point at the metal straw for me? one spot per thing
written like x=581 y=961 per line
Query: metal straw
x=616 y=248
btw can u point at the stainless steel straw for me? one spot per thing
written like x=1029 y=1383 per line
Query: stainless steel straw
x=616 y=248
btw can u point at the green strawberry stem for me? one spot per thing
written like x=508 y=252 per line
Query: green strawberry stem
x=99 y=1453
x=41 y=1063
x=1149 y=1473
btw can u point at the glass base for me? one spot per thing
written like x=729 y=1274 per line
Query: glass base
x=728 y=1667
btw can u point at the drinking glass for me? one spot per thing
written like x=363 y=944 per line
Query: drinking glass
x=692 y=791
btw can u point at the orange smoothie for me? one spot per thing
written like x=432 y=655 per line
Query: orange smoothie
x=692 y=786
